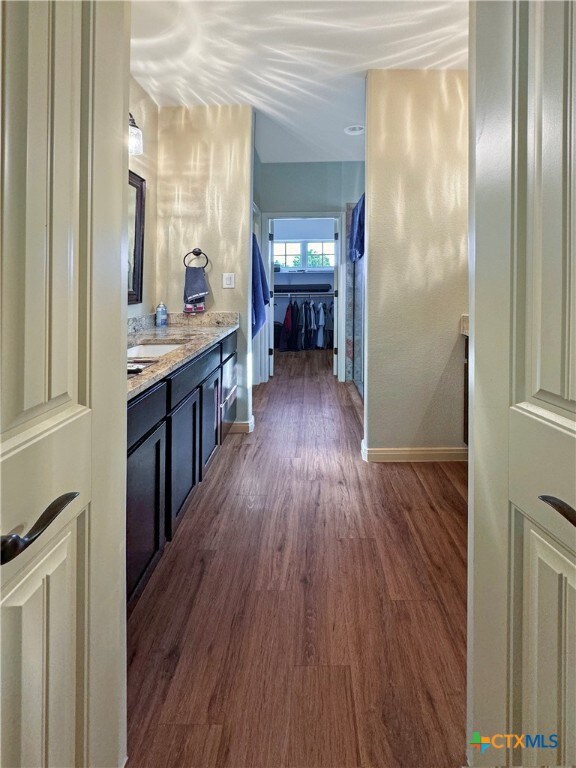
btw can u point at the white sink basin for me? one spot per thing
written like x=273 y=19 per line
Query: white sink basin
x=151 y=350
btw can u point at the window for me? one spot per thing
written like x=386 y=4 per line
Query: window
x=304 y=255
x=320 y=254
x=288 y=255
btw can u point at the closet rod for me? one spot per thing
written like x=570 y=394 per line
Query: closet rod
x=306 y=293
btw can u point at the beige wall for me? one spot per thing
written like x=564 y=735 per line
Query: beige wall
x=145 y=113
x=416 y=228
x=205 y=201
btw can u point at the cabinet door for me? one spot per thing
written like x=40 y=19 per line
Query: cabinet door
x=145 y=509
x=183 y=466
x=210 y=416
x=228 y=398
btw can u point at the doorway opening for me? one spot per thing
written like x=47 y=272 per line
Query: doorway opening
x=304 y=262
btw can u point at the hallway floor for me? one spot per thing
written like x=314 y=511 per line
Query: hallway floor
x=311 y=611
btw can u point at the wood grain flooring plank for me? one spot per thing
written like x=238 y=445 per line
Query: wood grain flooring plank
x=396 y=713
x=276 y=557
x=405 y=568
x=156 y=637
x=311 y=610
x=257 y=709
x=447 y=501
x=322 y=731
x=320 y=625
x=188 y=746
x=457 y=473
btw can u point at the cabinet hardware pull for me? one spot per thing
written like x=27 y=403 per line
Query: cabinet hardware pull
x=12 y=544
x=230 y=397
x=567 y=512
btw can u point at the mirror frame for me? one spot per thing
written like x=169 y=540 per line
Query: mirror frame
x=135 y=293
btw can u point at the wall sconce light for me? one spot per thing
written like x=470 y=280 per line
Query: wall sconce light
x=135 y=146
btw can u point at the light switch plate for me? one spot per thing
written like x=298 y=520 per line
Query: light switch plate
x=228 y=279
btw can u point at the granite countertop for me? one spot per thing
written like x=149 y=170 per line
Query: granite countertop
x=194 y=341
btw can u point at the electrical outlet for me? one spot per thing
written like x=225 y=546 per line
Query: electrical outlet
x=228 y=279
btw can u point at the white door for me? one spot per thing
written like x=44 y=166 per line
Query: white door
x=522 y=608
x=62 y=491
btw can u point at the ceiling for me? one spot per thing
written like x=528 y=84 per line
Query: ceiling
x=301 y=65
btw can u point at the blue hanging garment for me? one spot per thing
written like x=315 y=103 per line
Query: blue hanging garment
x=356 y=242
x=260 y=290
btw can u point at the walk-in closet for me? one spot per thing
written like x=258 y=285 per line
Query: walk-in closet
x=305 y=255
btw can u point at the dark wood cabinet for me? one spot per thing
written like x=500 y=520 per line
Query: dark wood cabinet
x=183 y=458
x=174 y=429
x=145 y=509
x=210 y=416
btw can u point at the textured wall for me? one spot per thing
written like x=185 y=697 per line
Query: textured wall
x=145 y=113
x=205 y=200
x=416 y=280
x=309 y=187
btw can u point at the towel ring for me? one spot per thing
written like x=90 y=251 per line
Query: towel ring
x=195 y=252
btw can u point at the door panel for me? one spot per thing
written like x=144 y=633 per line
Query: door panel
x=39 y=660
x=546 y=309
x=41 y=216
x=549 y=653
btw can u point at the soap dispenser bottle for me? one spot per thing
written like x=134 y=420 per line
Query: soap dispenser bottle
x=161 y=315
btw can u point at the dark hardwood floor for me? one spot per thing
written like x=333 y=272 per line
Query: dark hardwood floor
x=311 y=611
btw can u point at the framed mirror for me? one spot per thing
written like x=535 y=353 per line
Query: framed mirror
x=136 y=205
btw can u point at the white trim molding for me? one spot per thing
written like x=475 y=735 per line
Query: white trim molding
x=243 y=427
x=413 y=454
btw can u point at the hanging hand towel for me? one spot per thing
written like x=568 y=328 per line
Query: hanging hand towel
x=195 y=285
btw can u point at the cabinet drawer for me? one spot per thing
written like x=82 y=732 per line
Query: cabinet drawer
x=229 y=345
x=187 y=378
x=145 y=412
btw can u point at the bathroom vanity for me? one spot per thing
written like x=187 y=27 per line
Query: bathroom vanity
x=180 y=410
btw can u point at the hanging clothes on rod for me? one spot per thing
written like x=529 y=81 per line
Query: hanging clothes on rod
x=286 y=328
x=293 y=340
x=308 y=325
x=321 y=323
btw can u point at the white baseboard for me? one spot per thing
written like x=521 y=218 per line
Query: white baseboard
x=243 y=427
x=413 y=454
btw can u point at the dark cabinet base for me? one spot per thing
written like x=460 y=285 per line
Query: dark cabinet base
x=183 y=458
x=145 y=509
x=174 y=429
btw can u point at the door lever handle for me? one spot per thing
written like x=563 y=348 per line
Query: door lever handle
x=567 y=512
x=12 y=544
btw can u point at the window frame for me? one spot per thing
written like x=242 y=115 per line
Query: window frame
x=304 y=245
